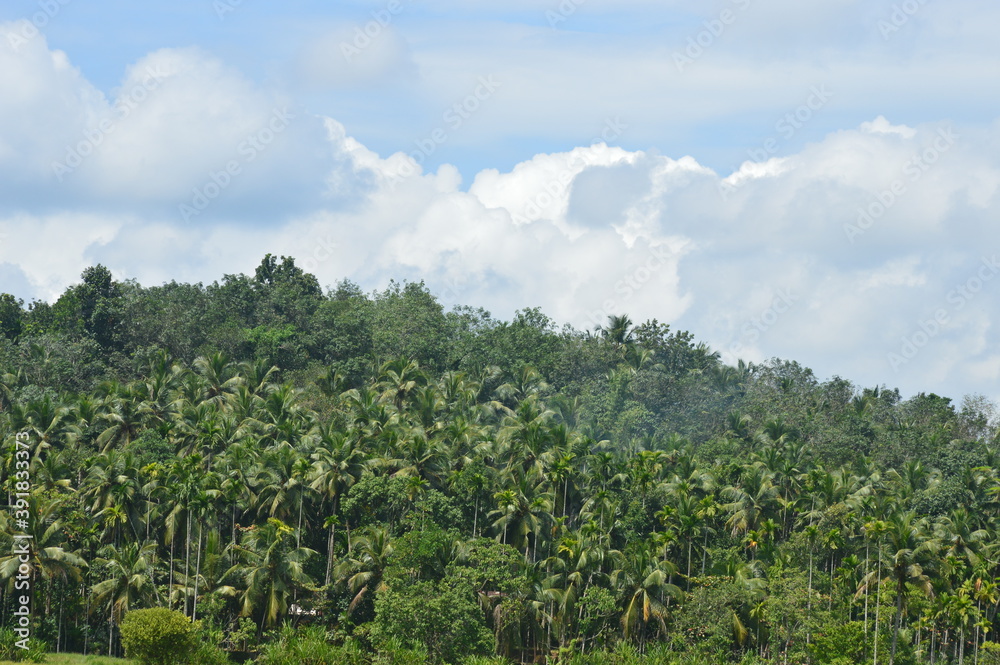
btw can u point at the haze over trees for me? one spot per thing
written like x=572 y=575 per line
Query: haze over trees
x=443 y=486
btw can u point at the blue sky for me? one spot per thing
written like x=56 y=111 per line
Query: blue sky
x=815 y=181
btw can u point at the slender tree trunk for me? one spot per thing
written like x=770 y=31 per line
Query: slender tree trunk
x=867 y=584
x=689 y=565
x=979 y=612
x=899 y=619
x=809 y=602
x=329 y=551
x=298 y=534
x=878 y=609
x=86 y=634
x=59 y=626
x=170 y=584
x=829 y=605
x=187 y=560
x=197 y=576
x=704 y=553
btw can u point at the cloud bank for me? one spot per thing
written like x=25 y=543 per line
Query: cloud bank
x=871 y=253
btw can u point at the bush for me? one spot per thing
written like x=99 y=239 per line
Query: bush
x=159 y=636
x=9 y=650
x=394 y=651
x=308 y=646
x=210 y=654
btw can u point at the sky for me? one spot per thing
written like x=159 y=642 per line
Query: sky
x=810 y=181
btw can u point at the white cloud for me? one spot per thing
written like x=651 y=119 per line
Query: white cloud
x=766 y=269
x=882 y=126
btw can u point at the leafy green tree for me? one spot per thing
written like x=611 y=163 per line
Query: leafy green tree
x=444 y=617
x=11 y=316
x=158 y=636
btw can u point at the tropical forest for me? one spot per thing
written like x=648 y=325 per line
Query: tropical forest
x=266 y=470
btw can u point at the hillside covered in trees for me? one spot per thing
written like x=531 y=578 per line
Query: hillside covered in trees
x=406 y=484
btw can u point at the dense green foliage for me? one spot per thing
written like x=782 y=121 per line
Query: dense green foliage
x=419 y=486
x=158 y=636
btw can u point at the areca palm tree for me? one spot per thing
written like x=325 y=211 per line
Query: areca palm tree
x=399 y=379
x=339 y=463
x=46 y=421
x=526 y=383
x=525 y=436
x=578 y=560
x=127 y=580
x=177 y=492
x=618 y=332
x=957 y=532
x=749 y=501
x=113 y=490
x=219 y=375
x=124 y=415
x=284 y=479
x=642 y=583
x=269 y=571
x=50 y=556
x=361 y=570
x=523 y=510
x=910 y=549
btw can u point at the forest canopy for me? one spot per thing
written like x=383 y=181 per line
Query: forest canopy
x=398 y=481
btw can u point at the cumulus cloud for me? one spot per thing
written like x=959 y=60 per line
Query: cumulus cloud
x=843 y=255
x=181 y=129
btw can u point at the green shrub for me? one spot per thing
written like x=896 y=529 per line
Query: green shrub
x=308 y=646
x=486 y=660
x=210 y=654
x=394 y=651
x=159 y=636
x=9 y=650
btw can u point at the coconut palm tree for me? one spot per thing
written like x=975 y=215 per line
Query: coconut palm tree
x=268 y=571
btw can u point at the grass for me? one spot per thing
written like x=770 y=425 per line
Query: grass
x=77 y=659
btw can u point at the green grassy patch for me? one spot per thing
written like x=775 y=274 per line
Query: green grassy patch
x=77 y=659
